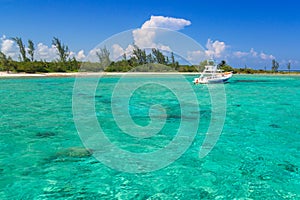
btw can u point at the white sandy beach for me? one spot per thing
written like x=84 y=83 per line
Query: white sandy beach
x=72 y=74
x=58 y=74
x=63 y=74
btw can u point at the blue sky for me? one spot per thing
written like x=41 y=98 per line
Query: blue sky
x=248 y=33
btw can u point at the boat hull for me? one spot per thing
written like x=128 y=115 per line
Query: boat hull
x=213 y=79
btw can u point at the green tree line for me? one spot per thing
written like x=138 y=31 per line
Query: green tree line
x=30 y=65
x=140 y=60
x=152 y=61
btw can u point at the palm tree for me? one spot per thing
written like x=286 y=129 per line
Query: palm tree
x=30 y=49
x=289 y=67
x=63 y=50
x=103 y=56
x=21 y=48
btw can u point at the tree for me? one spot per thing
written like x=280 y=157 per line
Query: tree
x=140 y=55
x=172 y=59
x=21 y=48
x=7 y=63
x=225 y=67
x=150 y=58
x=176 y=65
x=159 y=56
x=63 y=50
x=103 y=55
x=222 y=64
x=73 y=64
x=4 y=61
x=124 y=57
x=30 y=50
x=289 y=67
x=275 y=65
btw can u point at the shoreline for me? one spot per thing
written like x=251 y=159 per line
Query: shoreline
x=74 y=74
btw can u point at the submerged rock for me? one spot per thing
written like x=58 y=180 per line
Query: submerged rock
x=45 y=134
x=76 y=152
x=274 y=126
x=289 y=167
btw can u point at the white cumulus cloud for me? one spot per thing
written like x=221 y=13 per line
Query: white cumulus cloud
x=49 y=53
x=80 y=55
x=214 y=49
x=72 y=54
x=117 y=51
x=166 y=22
x=252 y=54
x=240 y=54
x=266 y=56
x=9 y=48
x=195 y=57
x=43 y=52
x=251 y=58
x=92 y=56
x=145 y=36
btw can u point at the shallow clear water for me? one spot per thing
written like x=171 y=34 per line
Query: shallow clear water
x=257 y=155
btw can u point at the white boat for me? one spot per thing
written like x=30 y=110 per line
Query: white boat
x=212 y=74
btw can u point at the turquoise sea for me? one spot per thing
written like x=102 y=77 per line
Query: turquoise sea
x=256 y=156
